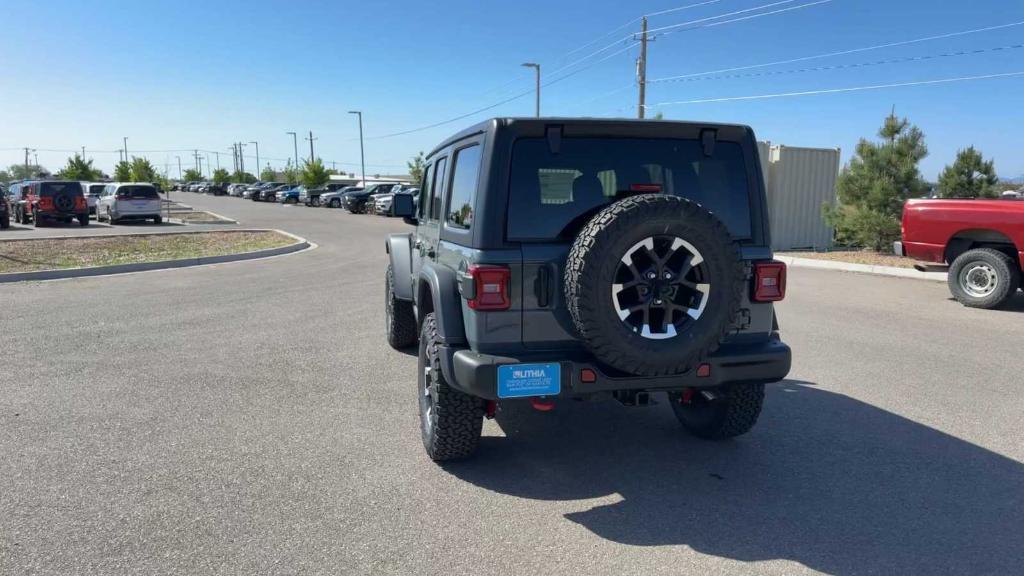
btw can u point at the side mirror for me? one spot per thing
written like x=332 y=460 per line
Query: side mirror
x=402 y=205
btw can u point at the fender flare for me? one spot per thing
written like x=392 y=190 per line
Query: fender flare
x=446 y=300
x=399 y=249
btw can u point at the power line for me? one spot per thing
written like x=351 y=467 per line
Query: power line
x=496 y=104
x=720 y=16
x=841 y=52
x=839 y=90
x=844 y=66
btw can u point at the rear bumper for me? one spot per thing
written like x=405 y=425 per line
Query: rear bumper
x=766 y=361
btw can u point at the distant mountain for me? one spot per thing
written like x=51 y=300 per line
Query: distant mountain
x=1017 y=180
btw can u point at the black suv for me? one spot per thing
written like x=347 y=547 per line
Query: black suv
x=5 y=208
x=577 y=257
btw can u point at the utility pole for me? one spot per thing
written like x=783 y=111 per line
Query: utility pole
x=295 y=143
x=83 y=152
x=362 y=156
x=536 y=67
x=195 y=157
x=217 y=154
x=257 y=145
x=311 y=145
x=641 y=69
x=27 y=149
x=241 y=158
x=125 y=148
x=179 y=168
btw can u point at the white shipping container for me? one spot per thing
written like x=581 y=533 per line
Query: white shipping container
x=800 y=182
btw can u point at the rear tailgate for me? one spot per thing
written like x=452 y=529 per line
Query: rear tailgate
x=138 y=200
x=553 y=194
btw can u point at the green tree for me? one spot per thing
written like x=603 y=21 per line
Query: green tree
x=243 y=177
x=142 y=170
x=79 y=168
x=314 y=174
x=221 y=176
x=290 y=173
x=268 y=174
x=970 y=176
x=123 y=171
x=416 y=166
x=191 y=175
x=5 y=176
x=873 y=186
x=23 y=172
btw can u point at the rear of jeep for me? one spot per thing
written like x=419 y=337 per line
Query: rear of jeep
x=560 y=258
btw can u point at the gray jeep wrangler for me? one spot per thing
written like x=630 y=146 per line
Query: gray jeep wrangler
x=560 y=258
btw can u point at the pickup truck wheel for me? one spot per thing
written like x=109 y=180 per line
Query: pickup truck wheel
x=450 y=421
x=731 y=412
x=400 y=321
x=653 y=283
x=983 y=278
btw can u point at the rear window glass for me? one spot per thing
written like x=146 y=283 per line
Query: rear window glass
x=549 y=191
x=466 y=169
x=137 y=192
x=96 y=189
x=54 y=188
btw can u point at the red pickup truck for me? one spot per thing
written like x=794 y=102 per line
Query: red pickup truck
x=981 y=242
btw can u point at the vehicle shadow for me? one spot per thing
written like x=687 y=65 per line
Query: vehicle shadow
x=1014 y=304
x=825 y=480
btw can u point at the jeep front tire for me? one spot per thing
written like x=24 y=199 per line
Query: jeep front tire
x=450 y=421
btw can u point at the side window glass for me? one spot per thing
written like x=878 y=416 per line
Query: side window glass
x=428 y=190
x=465 y=173
x=438 y=192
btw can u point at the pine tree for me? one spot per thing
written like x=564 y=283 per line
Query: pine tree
x=79 y=168
x=874 y=185
x=123 y=172
x=970 y=176
x=142 y=170
x=314 y=174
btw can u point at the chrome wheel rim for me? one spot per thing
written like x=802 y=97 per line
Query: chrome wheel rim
x=979 y=279
x=661 y=287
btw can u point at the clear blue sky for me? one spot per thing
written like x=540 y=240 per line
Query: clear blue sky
x=177 y=75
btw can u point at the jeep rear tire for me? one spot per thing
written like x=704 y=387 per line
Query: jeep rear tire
x=733 y=411
x=653 y=283
x=83 y=219
x=983 y=278
x=399 y=318
x=450 y=421
x=5 y=220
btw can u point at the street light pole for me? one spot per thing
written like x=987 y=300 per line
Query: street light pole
x=295 y=143
x=536 y=67
x=257 y=145
x=362 y=155
x=125 y=148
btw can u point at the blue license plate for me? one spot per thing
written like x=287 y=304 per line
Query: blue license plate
x=523 y=380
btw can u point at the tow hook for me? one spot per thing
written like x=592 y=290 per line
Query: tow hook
x=491 y=409
x=542 y=404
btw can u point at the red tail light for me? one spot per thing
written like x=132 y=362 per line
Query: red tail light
x=46 y=203
x=80 y=202
x=491 y=285
x=769 y=281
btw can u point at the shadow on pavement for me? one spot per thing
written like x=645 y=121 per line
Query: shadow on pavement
x=825 y=480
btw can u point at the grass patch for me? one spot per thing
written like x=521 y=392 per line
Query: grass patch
x=59 y=253
x=856 y=257
x=197 y=217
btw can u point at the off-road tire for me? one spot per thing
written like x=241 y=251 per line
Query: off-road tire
x=1006 y=270
x=450 y=421
x=590 y=271
x=335 y=203
x=83 y=220
x=399 y=318
x=732 y=413
x=37 y=222
x=5 y=220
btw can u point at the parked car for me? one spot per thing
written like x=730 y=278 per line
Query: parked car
x=979 y=242
x=587 y=257
x=356 y=202
x=215 y=189
x=291 y=195
x=129 y=201
x=313 y=194
x=237 y=189
x=270 y=194
x=372 y=199
x=48 y=200
x=92 y=192
x=336 y=199
x=5 y=209
x=16 y=195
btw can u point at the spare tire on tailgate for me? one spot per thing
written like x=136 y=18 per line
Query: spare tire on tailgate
x=653 y=283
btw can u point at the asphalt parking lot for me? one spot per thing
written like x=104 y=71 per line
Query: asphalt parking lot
x=249 y=418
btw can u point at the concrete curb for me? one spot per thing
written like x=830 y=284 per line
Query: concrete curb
x=861 y=268
x=222 y=220
x=299 y=245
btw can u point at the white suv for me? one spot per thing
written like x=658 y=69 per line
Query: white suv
x=129 y=200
